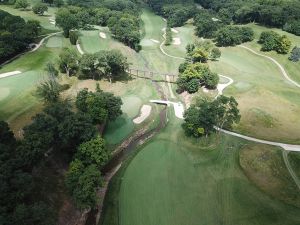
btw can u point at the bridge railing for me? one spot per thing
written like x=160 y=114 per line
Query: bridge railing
x=153 y=75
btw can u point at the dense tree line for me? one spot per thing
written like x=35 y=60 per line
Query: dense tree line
x=177 y=12
x=122 y=18
x=281 y=14
x=15 y=34
x=57 y=129
x=194 y=72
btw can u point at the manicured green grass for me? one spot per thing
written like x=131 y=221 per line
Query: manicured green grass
x=186 y=35
x=29 y=15
x=91 y=42
x=178 y=180
x=291 y=67
x=268 y=103
x=19 y=104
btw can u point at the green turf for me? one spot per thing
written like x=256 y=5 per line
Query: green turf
x=29 y=15
x=291 y=67
x=19 y=99
x=176 y=180
x=260 y=87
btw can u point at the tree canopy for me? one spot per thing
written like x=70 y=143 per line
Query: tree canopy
x=201 y=118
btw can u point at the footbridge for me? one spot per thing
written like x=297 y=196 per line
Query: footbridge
x=178 y=107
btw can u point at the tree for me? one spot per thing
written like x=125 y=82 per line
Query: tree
x=295 y=54
x=66 y=20
x=74 y=130
x=85 y=193
x=168 y=37
x=211 y=80
x=101 y=106
x=192 y=86
x=49 y=91
x=231 y=35
x=21 y=4
x=68 y=61
x=215 y=53
x=58 y=3
x=201 y=118
x=73 y=37
x=90 y=66
x=83 y=183
x=93 y=152
x=51 y=70
x=284 y=45
x=114 y=64
x=269 y=40
x=40 y=8
x=199 y=55
x=6 y=135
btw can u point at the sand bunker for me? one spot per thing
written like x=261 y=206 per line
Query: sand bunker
x=174 y=31
x=155 y=41
x=52 y=21
x=176 y=41
x=102 y=35
x=8 y=74
x=145 y=112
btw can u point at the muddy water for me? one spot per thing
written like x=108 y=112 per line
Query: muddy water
x=122 y=155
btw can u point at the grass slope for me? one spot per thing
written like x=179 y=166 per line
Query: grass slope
x=178 y=180
x=19 y=104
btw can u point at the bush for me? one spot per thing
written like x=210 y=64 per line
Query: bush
x=40 y=8
x=271 y=40
x=295 y=54
x=211 y=80
x=192 y=86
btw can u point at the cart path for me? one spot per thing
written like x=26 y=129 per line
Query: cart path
x=282 y=70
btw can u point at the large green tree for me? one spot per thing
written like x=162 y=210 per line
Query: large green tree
x=202 y=118
x=93 y=151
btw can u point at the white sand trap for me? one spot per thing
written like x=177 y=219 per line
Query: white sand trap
x=155 y=41
x=176 y=41
x=102 y=35
x=145 y=112
x=174 y=31
x=8 y=74
x=52 y=22
x=79 y=48
x=164 y=19
x=205 y=90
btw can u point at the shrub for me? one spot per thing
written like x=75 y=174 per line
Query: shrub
x=192 y=86
x=295 y=54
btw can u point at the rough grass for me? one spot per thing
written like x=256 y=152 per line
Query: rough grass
x=291 y=67
x=268 y=103
x=177 y=180
x=264 y=166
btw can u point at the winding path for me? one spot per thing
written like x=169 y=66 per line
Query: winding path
x=42 y=41
x=284 y=73
x=221 y=87
x=290 y=169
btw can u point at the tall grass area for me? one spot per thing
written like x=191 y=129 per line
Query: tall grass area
x=178 y=180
